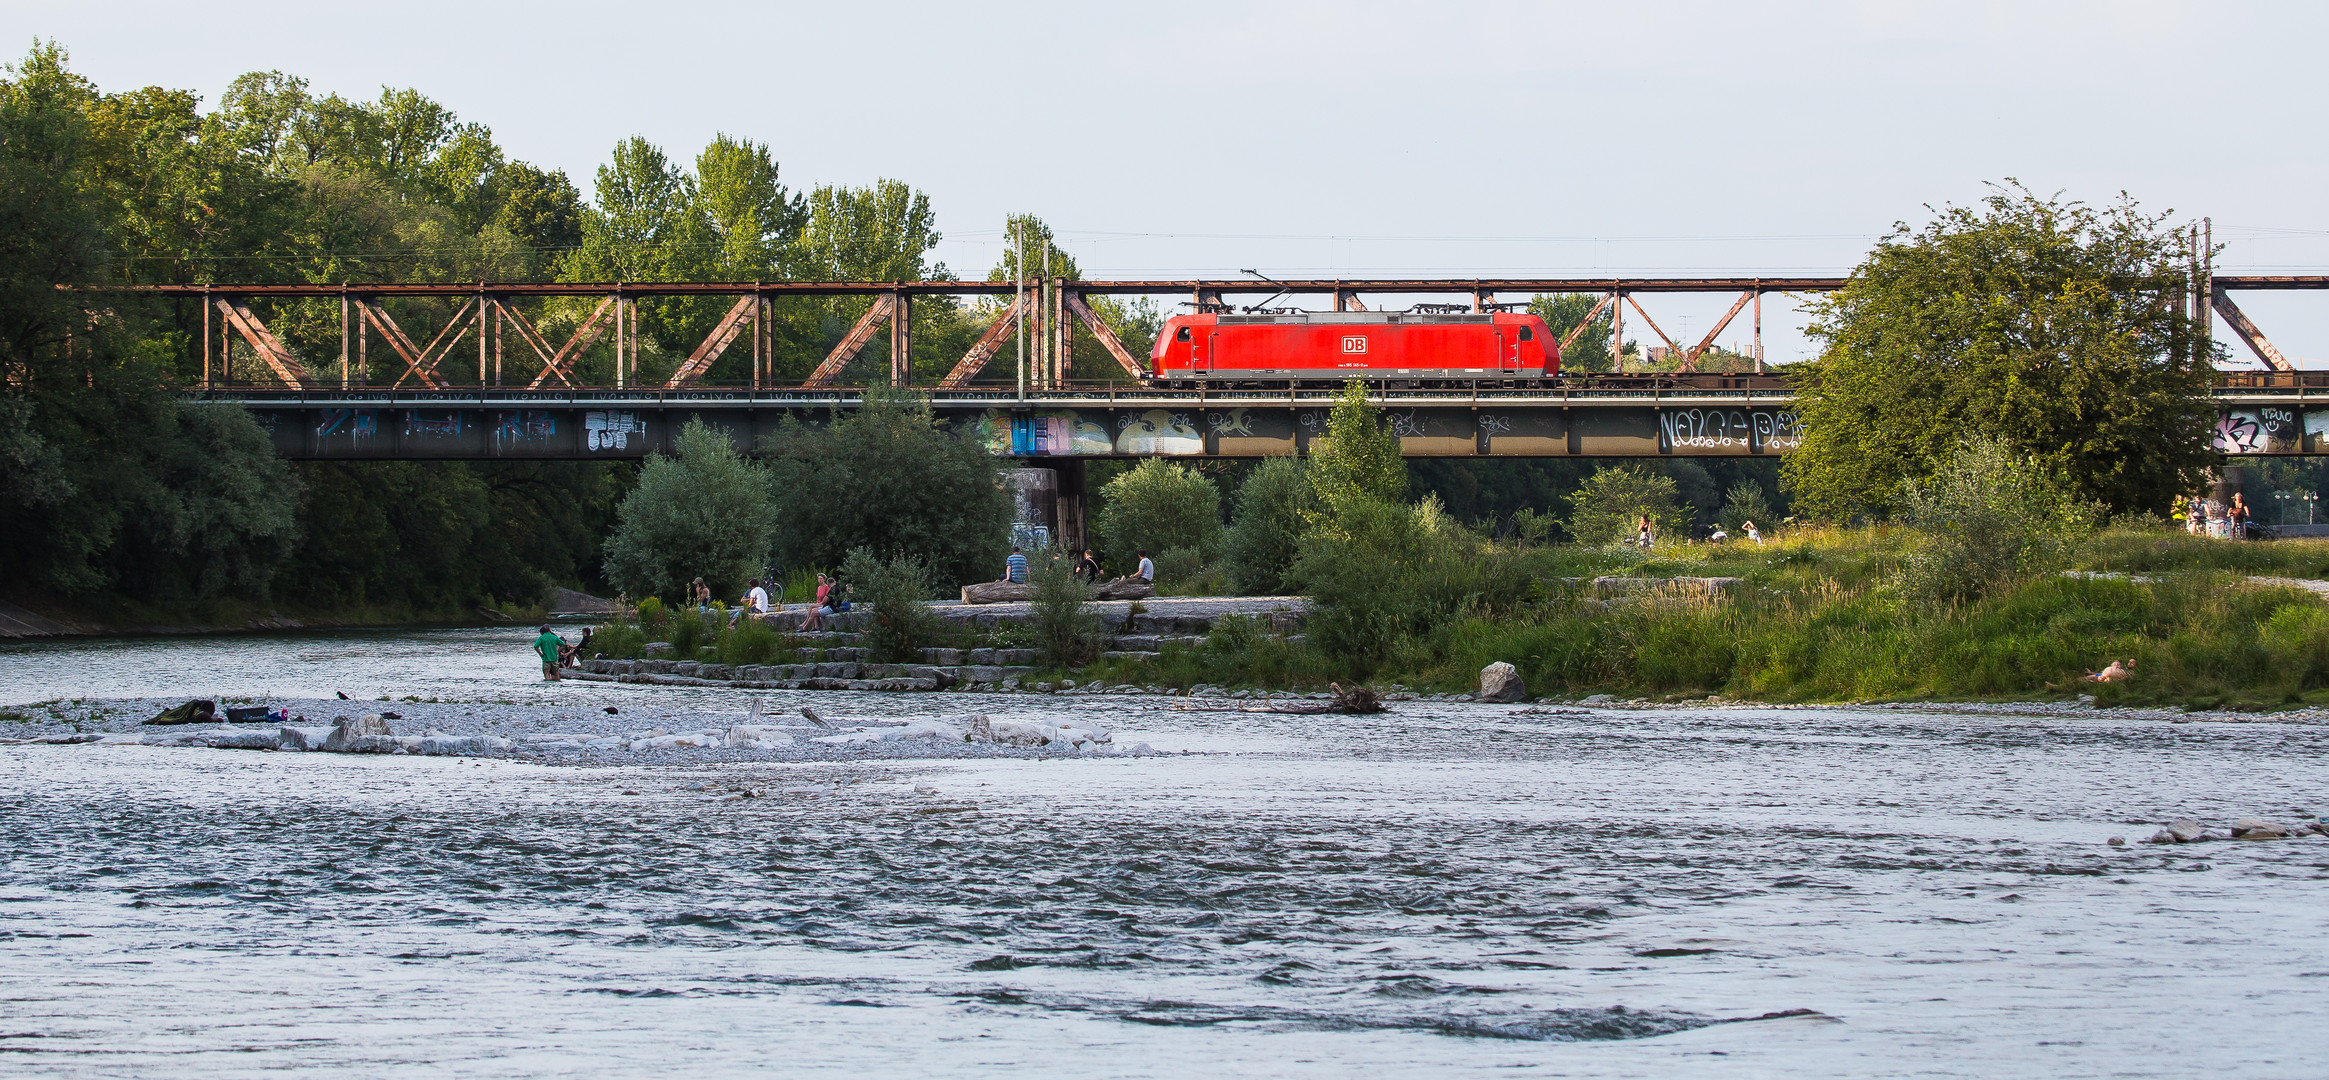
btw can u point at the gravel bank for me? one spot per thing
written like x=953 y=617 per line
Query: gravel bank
x=562 y=734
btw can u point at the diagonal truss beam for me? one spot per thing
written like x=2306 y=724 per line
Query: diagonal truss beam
x=561 y=363
x=853 y=343
x=986 y=346
x=2257 y=343
x=1578 y=330
x=1690 y=359
x=1653 y=324
x=262 y=340
x=418 y=362
x=705 y=355
x=1108 y=340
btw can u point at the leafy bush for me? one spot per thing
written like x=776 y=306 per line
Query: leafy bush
x=1180 y=571
x=1156 y=507
x=1357 y=461
x=1066 y=630
x=1988 y=515
x=1265 y=531
x=618 y=640
x=705 y=511
x=752 y=641
x=898 y=591
x=1606 y=507
x=1744 y=503
x=691 y=629
x=1386 y=573
x=889 y=477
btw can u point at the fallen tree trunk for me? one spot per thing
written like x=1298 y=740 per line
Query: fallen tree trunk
x=1004 y=592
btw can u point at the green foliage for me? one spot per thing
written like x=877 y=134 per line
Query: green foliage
x=690 y=629
x=1185 y=571
x=898 y=592
x=752 y=641
x=1532 y=527
x=2054 y=327
x=425 y=537
x=705 y=511
x=1609 y=504
x=1385 y=574
x=618 y=641
x=1744 y=503
x=1561 y=313
x=1357 y=460
x=889 y=477
x=1988 y=516
x=1156 y=507
x=1274 y=506
x=1065 y=628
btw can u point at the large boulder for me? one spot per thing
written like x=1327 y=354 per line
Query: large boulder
x=362 y=734
x=2258 y=829
x=302 y=738
x=1501 y=682
x=438 y=742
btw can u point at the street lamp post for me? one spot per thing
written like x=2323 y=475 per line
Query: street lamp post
x=2311 y=499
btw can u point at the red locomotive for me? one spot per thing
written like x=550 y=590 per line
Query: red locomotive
x=1401 y=348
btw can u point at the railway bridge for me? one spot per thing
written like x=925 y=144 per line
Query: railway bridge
x=583 y=394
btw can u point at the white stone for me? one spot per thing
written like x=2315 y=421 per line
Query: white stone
x=302 y=738
x=462 y=745
x=924 y=729
x=752 y=737
x=1023 y=733
x=346 y=731
x=1501 y=682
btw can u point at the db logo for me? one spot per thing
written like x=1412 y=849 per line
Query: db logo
x=1354 y=344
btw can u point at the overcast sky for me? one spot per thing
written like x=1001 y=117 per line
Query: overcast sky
x=1362 y=139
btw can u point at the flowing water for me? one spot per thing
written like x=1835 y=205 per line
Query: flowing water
x=1440 y=890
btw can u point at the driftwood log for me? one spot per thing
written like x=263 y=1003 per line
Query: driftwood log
x=1003 y=592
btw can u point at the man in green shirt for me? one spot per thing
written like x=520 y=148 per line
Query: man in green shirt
x=548 y=645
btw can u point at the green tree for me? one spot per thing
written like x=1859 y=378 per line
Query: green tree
x=747 y=214
x=1386 y=575
x=1608 y=505
x=1745 y=502
x=641 y=209
x=2052 y=326
x=1065 y=627
x=1274 y=505
x=1988 y=516
x=1357 y=460
x=878 y=233
x=1156 y=507
x=1561 y=313
x=891 y=478
x=898 y=593
x=705 y=511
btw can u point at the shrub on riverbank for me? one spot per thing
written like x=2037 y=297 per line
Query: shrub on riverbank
x=898 y=593
x=1820 y=617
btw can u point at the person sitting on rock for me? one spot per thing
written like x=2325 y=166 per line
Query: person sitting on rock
x=821 y=606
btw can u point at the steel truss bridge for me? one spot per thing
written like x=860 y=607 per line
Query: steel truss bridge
x=434 y=408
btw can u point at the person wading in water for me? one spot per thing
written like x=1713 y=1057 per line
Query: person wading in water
x=549 y=645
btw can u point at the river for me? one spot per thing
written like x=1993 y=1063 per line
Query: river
x=1441 y=890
